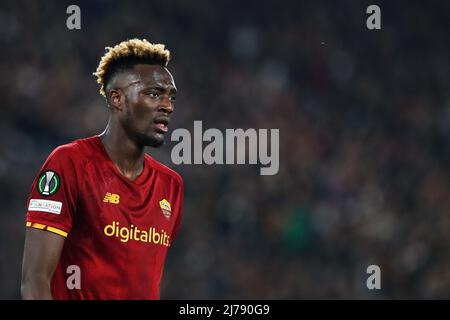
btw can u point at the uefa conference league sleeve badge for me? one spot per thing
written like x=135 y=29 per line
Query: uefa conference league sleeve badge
x=48 y=183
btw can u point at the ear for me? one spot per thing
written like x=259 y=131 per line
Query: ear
x=116 y=99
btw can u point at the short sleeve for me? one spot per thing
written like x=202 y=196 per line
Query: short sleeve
x=51 y=204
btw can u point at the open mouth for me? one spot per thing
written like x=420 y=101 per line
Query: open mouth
x=162 y=124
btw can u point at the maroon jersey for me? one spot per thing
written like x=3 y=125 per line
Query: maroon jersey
x=117 y=231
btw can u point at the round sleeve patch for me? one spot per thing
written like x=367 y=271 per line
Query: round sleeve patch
x=48 y=183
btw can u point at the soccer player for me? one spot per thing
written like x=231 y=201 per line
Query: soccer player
x=102 y=213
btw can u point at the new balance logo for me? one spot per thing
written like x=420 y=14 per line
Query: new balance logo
x=111 y=198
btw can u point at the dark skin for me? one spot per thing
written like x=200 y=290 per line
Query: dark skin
x=140 y=102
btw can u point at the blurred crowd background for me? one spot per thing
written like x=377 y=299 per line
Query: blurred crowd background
x=364 y=119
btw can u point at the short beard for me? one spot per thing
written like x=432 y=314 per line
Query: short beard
x=143 y=139
x=150 y=141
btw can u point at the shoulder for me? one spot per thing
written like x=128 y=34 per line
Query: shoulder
x=75 y=151
x=65 y=152
x=164 y=169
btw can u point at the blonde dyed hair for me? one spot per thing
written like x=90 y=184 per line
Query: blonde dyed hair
x=126 y=54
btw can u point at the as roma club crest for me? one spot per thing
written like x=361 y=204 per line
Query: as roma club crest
x=166 y=209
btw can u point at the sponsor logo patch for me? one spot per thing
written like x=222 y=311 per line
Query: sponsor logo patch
x=48 y=183
x=45 y=206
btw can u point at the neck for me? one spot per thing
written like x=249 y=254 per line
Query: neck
x=126 y=154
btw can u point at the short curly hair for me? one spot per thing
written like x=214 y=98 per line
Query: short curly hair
x=127 y=54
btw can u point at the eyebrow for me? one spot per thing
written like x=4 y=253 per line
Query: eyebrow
x=133 y=83
x=160 y=88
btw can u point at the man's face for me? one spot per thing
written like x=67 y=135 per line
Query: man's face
x=149 y=94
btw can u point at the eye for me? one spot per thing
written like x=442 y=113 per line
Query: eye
x=153 y=94
x=172 y=98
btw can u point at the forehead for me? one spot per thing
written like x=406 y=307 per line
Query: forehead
x=151 y=75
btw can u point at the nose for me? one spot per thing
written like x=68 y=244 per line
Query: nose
x=166 y=105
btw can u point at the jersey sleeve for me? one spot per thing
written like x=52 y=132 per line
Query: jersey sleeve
x=51 y=204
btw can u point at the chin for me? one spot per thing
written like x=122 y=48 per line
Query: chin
x=156 y=144
x=153 y=141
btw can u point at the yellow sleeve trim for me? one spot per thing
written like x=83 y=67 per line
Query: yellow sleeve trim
x=38 y=226
x=57 y=231
x=47 y=228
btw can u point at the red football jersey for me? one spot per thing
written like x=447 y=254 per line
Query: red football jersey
x=117 y=230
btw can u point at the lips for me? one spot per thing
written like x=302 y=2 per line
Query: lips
x=162 y=127
x=162 y=124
